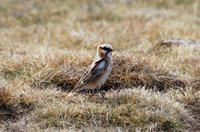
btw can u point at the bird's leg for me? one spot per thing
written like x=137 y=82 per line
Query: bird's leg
x=99 y=90
x=92 y=91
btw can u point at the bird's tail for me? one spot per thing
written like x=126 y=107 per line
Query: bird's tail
x=76 y=87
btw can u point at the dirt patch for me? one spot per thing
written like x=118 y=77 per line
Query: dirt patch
x=10 y=113
x=194 y=111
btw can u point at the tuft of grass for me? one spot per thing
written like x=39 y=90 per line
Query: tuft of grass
x=127 y=108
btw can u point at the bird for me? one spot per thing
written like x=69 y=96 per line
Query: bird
x=98 y=72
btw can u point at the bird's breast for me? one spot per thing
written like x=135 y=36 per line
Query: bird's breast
x=105 y=75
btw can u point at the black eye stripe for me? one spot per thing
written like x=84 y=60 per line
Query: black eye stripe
x=105 y=48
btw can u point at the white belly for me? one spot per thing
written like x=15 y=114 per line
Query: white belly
x=105 y=76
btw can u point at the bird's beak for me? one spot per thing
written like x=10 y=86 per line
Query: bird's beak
x=111 y=50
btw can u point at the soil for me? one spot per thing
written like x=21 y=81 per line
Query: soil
x=194 y=111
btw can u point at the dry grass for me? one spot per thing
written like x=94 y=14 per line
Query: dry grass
x=45 y=46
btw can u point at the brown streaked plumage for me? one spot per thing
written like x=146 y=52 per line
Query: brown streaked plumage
x=98 y=71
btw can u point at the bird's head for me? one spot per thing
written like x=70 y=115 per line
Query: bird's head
x=105 y=50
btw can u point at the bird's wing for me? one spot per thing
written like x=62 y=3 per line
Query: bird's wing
x=98 y=69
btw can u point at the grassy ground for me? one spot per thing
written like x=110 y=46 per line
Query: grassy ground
x=45 y=47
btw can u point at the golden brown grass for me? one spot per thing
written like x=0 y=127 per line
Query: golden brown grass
x=45 y=47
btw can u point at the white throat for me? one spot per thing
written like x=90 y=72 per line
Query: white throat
x=109 y=55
